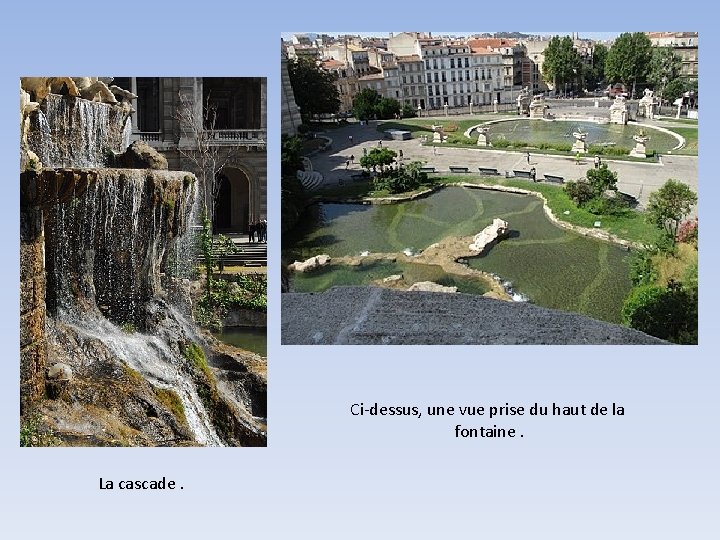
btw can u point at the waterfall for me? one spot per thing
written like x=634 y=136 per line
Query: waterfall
x=75 y=132
x=158 y=364
x=108 y=243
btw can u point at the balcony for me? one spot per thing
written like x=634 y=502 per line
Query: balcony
x=147 y=136
x=238 y=137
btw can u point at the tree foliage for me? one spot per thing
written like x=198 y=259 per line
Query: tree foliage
x=579 y=191
x=314 y=89
x=293 y=195
x=365 y=104
x=664 y=63
x=388 y=108
x=601 y=180
x=408 y=111
x=676 y=88
x=628 y=60
x=594 y=73
x=665 y=312
x=669 y=205
x=378 y=158
x=402 y=179
x=562 y=62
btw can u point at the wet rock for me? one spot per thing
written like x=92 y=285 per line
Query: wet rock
x=140 y=155
x=313 y=263
x=429 y=286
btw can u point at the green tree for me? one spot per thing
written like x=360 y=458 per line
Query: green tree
x=378 y=157
x=365 y=104
x=314 y=89
x=669 y=205
x=601 y=180
x=408 y=111
x=664 y=64
x=594 y=73
x=291 y=155
x=628 y=60
x=387 y=108
x=562 y=62
x=293 y=194
x=675 y=89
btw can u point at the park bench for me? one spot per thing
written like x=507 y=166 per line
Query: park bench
x=554 y=178
x=427 y=169
x=522 y=174
x=488 y=171
x=456 y=169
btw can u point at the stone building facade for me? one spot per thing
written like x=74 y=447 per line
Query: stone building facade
x=239 y=132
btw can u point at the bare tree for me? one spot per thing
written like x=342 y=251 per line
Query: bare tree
x=207 y=157
x=197 y=122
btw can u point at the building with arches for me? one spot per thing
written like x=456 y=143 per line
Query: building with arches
x=238 y=131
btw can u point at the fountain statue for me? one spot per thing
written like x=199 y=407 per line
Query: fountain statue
x=580 y=144
x=647 y=104
x=483 y=137
x=619 y=111
x=538 y=107
x=640 y=139
x=438 y=134
x=523 y=102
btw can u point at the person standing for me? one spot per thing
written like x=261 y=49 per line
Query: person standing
x=597 y=162
x=251 y=232
x=350 y=139
x=532 y=174
x=528 y=158
x=352 y=159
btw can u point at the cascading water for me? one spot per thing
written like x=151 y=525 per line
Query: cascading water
x=107 y=246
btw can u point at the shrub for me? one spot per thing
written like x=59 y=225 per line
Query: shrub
x=665 y=312
x=605 y=207
x=32 y=433
x=579 y=191
x=642 y=270
x=688 y=232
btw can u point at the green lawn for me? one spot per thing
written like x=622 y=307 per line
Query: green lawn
x=691 y=140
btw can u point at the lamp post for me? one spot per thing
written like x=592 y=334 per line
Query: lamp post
x=663 y=80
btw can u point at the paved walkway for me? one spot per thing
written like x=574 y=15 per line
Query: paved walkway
x=636 y=179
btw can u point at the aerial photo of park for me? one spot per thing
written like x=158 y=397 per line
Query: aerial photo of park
x=490 y=188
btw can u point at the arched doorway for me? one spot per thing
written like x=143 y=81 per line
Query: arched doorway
x=222 y=211
x=232 y=204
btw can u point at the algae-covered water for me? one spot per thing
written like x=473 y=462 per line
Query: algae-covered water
x=561 y=131
x=247 y=338
x=553 y=267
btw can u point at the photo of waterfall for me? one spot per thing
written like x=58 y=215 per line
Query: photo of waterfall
x=143 y=224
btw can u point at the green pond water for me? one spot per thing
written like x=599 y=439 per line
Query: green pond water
x=366 y=274
x=560 y=131
x=553 y=267
x=246 y=338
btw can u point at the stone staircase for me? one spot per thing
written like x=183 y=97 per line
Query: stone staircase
x=249 y=254
x=310 y=180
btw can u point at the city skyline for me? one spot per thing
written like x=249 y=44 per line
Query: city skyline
x=601 y=36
